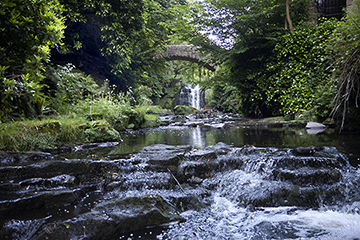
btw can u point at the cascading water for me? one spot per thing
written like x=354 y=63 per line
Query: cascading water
x=191 y=96
x=250 y=203
x=237 y=192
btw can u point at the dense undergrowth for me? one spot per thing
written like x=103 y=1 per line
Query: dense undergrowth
x=77 y=110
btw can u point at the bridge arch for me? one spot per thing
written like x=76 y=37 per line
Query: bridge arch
x=185 y=53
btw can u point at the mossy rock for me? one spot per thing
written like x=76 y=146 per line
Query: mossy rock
x=111 y=218
x=101 y=132
x=184 y=110
x=136 y=117
x=151 y=120
x=118 y=125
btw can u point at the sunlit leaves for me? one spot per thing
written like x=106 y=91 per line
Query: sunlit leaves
x=299 y=66
x=28 y=29
x=26 y=26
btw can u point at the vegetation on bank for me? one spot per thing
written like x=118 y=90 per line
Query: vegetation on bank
x=79 y=111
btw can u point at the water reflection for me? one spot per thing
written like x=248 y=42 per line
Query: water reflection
x=135 y=140
x=196 y=138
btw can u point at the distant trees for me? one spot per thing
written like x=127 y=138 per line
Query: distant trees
x=109 y=39
x=254 y=29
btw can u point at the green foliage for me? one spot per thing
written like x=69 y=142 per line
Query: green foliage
x=111 y=107
x=142 y=95
x=346 y=40
x=28 y=29
x=324 y=99
x=28 y=135
x=226 y=98
x=298 y=68
x=20 y=96
x=253 y=30
x=68 y=87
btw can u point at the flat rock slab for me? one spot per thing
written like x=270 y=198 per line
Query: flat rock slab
x=163 y=155
x=9 y=158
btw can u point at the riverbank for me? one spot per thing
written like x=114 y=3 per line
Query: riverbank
x=63 y=134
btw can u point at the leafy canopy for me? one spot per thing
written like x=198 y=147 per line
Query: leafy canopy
x=28 y=29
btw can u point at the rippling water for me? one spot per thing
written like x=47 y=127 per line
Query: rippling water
x=273 y=195
x=228 y=218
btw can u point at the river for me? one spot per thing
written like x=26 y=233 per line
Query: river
x=272 y=195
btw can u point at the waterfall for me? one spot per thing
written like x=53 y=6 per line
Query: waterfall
x=190 y=95
x=195 y=97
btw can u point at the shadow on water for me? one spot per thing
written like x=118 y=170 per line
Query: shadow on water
x=135 y=140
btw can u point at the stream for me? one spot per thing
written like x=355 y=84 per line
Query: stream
x=236 y=183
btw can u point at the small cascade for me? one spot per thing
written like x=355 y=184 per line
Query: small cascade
x=192 y=96
x=195 y=97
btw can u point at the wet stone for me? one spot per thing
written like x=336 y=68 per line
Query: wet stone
x=160 y=156
x=208 y=153
x=61 y=180
x=306 y=177
x=9 y=158
x=303 y=151
x=40 y=200
x=113 y=217
x=110 y=198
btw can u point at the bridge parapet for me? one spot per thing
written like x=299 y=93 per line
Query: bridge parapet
x=186 y=53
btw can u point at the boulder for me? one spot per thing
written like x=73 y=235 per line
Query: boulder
x=151 y=120
x=184 y=110
x=113 y=217
x=315 y=128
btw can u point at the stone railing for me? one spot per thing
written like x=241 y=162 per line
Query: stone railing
x=186 y=53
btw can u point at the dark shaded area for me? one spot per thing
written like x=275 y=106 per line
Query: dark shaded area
x=331 y=8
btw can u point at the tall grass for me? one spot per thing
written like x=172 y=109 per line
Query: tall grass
x=32 y=135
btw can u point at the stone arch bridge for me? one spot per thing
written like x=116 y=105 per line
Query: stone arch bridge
x=185 y=53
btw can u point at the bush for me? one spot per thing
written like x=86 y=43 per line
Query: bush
x=299 y=67
x=67 y=86
x=20 y=96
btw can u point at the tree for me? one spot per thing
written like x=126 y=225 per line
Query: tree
x=100 y=35
x=288 y=18
x=116 y=39
x=254 y=28
x=346 y=40
x=28 y=29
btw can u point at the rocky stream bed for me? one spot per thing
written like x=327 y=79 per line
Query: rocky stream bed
x=157 y=192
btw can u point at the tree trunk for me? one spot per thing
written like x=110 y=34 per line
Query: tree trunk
x=288 y=19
